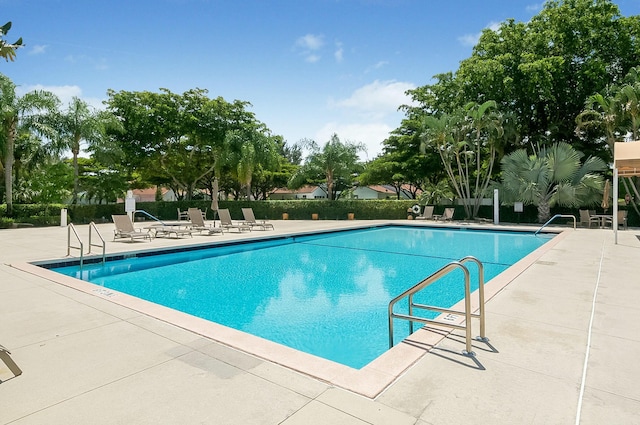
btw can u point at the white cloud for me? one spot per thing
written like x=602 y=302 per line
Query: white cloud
x=494 y=26
x=309 y=45
x=471 y=40
x=370 y=135
x=64 y=93
x=378 y=99
x=368 y=115
x=38 y=49
x=310 y=42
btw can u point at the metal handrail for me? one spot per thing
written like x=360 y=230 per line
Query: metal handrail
x=481 y=312
x=553 y=218
x=92 y=226
x=70 y=228
x=149 y=215
x=467 y=303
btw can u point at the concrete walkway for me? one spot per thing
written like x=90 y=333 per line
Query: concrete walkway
x=87 y=360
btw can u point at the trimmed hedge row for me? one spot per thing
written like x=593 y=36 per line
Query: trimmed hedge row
x=46 y=215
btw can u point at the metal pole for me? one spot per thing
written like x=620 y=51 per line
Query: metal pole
x=615 y=204
x=467 y=309
x=496 y=207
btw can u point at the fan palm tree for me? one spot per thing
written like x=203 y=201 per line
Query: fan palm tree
x=27 y=112
x=554 y=176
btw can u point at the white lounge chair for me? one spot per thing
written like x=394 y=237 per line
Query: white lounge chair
x=250 y=219
x=125 y=230
x=6 y=358
x=427 y=214
x=198 y=224
x=203 y=213
x=168 y=230
x=227 y=223
x=446 y=215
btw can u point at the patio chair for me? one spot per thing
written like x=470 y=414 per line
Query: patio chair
x=6 y=358
x=427 y=214
x=203 y=213
x=622 y=219
x=586 y=218
x=227 y=223
x=446 y=215
x=250 y=219
x=198 y=224
x=182 y=215
x=125 y=230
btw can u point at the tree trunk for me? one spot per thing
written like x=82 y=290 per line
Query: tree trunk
x=8 y=167
x=544 y=211
x=330 y=186
x=76 y=173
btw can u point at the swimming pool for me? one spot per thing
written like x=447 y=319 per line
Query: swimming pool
x=324 y=294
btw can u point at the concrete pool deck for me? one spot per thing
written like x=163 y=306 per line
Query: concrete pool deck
x=88 y=360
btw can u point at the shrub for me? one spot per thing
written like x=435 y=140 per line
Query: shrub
x=6 y=222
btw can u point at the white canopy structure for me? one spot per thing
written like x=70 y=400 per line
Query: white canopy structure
x=626 y=163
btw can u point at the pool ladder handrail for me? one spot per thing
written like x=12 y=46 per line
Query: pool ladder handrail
x=103 y=245
x=467 y=303
x=553 y=218
x=72 y=228
x=92 y=228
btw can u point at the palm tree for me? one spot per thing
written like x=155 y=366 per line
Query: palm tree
x=29 y=153
x=335 y=164
x=554 y=176
x=629 y=98
x=603 y=113
x=247 y=151
x=467 y=142
x=81 y=123
x=614 y=116
x=26 y=111
x=8 y=50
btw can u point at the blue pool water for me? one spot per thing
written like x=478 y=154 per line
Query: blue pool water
x=324 y=294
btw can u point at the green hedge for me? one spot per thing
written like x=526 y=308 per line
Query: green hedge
x=44 y=215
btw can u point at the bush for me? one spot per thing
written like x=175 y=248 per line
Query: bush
x=299 y=209
x=6 y=222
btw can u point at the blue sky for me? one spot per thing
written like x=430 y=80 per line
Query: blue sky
x=310 y=68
